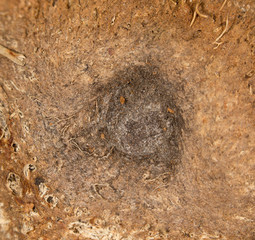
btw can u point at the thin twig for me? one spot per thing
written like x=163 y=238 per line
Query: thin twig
x=15 y=57
x=197 y=12
x=218 y=44
x=222 y=6
x=193 y=19
x=221 y=35
x=224 y=31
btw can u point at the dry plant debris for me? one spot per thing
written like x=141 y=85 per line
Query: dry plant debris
x=15 y=57
x=223 y=4
x=221 y=35
x=197 y=12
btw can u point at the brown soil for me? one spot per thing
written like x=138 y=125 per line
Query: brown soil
x=126 y=122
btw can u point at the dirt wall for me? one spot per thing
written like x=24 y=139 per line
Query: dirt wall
x=127 y=119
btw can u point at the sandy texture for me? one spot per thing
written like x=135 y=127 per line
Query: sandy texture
x=74 y=161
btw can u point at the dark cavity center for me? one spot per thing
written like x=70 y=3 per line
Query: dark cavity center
x=139 y=130
x=142 y=118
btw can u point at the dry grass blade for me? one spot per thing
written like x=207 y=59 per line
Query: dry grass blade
x=15 y=57
x=223 y=4
x=193 y=19
x=197 y=12
x=221 y=35
x=223 y=32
